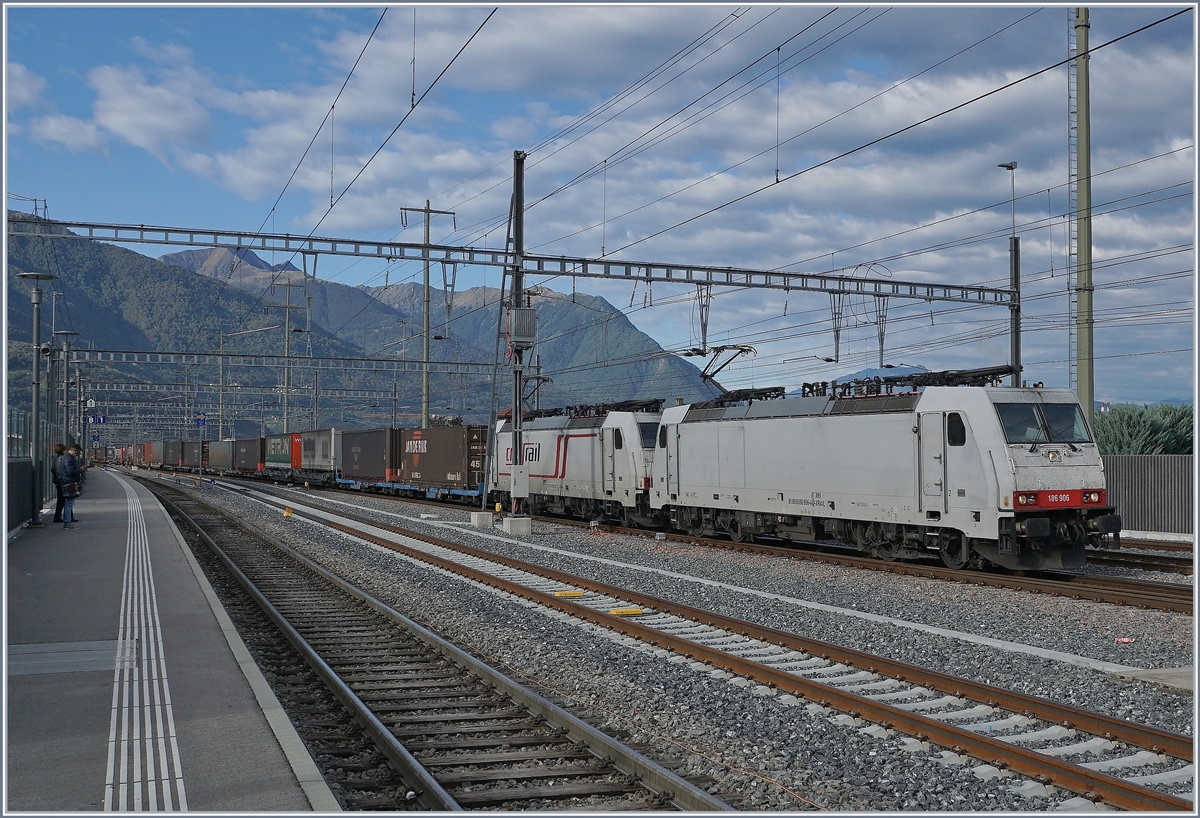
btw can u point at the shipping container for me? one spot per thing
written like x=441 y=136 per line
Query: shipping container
x=444 y=457
x=220 y=455
x=156 y=453
x=194 y=454
x=250 y=454
x=172 y=453
x=283 y=451
x=321 y=450
x=371 y=456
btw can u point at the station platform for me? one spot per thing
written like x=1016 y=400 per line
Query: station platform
x=128 y=688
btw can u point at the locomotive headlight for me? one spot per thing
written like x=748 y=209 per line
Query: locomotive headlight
x=1027 y=499
x=1091 y=497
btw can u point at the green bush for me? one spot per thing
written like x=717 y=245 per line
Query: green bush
x=1130 y=429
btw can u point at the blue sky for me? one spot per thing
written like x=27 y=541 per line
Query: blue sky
x=197 y=116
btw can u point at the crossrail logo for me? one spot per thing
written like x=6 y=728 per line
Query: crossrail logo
x=533 y=454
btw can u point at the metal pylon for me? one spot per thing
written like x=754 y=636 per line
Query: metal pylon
x=1072 y=201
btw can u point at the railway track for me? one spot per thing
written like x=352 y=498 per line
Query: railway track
x=1167 y=596
x=1168 y=563
x=453 y=733
x=1134 y=766
x=1158 y=545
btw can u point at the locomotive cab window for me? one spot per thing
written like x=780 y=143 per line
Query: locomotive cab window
x=956 y=430
x=1043 y=423
x=647 y=431
x=618 y=439
x=1065 y=422
x=662 y=437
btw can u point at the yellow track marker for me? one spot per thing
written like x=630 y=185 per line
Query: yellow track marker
x=569 y=593
x=625 y=611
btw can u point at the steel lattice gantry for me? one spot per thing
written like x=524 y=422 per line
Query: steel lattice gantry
x=276 y=361
x=187 y=390
x=531 y=264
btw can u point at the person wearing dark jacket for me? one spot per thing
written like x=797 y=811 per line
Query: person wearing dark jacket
x=69 y=476
x=59 y=449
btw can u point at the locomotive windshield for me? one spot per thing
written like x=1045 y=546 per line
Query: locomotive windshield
x=1043 y=423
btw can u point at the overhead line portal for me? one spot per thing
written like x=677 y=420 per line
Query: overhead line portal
x=532 y=264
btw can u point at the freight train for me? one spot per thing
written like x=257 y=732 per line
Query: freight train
x=438 y=463
x=955 y=467
x=970 y=473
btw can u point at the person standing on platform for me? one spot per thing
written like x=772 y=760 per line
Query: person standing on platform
x=59 y=450
x=78 y=452
x=69 y=476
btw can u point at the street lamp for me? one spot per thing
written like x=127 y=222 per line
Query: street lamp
x=1011 y=167
x=35 y=298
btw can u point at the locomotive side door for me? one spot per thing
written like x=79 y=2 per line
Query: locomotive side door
x=932 y=461
x=608 y=461
x=671 y=433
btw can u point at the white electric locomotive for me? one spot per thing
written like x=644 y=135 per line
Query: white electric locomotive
x=968 y=473
x=588 y=462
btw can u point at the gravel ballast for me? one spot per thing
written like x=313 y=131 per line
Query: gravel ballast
x=750 y=744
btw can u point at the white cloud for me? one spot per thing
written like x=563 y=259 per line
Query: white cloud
x=153 y=117
x=170 y=54
x=515 y=129
x=71 y=133
x=22 y=87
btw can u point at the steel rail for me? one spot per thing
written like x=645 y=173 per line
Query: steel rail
x=1036 y=765
x=429 y=793
x=680 y=792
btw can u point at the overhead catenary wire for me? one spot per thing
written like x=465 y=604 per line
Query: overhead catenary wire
x=328 y=115
x=386 y=140
x=900 y=131
x=794 y=137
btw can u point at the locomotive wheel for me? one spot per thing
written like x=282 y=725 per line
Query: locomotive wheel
x=888 y=550
x=956 y=553
x=737 y=533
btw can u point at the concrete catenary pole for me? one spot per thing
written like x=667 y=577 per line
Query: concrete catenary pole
x=1085 y=365
x=66 y=384
x=518 y=298
x=1014 y=278
x=425 y=332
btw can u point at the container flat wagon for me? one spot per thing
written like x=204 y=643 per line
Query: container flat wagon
x=250 y=454
x=283 y=452
x=370 y=456
x=220 y=455
x=320 y=455
x=444 y=460
x=194 y=454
